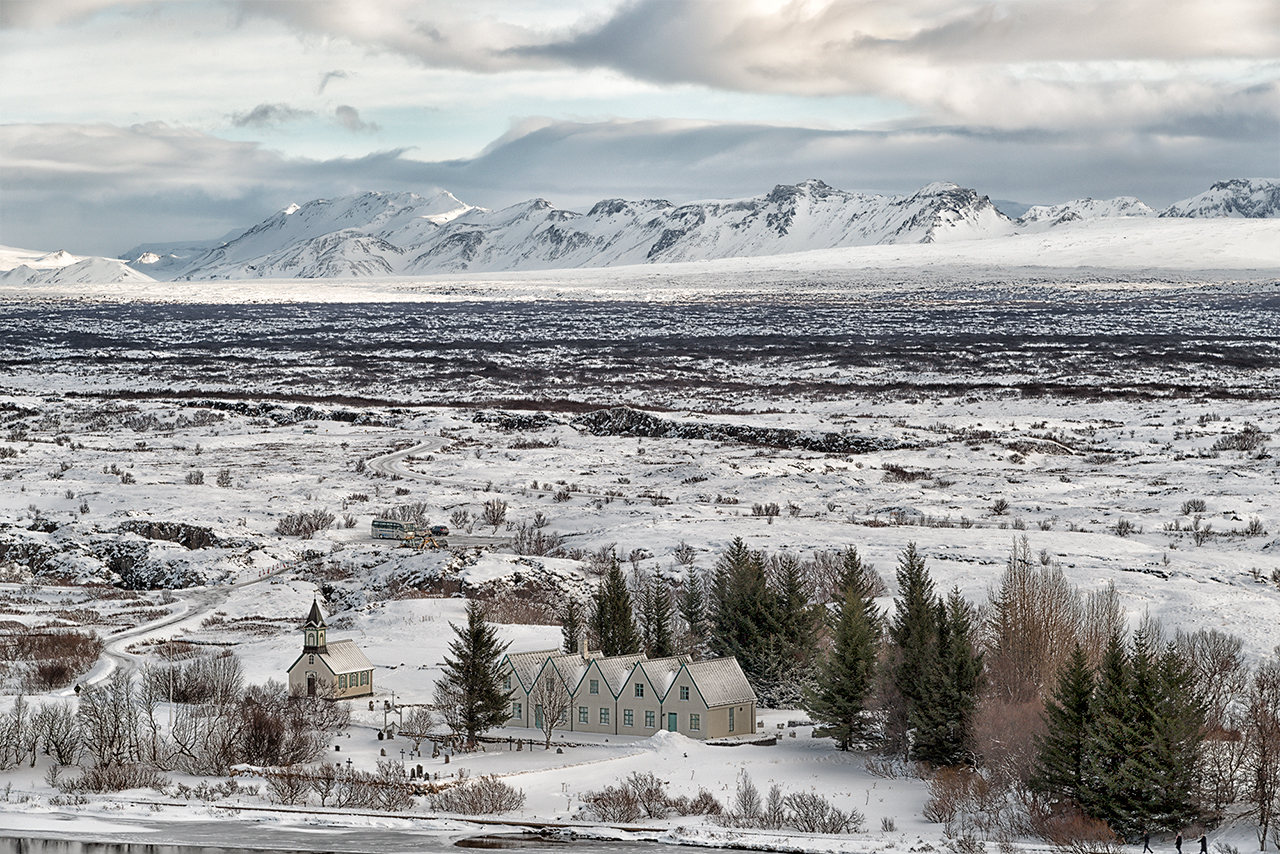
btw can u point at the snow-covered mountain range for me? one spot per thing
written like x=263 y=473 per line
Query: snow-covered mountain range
x=374 y=235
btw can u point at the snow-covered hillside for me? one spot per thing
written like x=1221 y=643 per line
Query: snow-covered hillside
x=1251 y=198
x=1044 y=217
x=23 y=268
x=381 y=234
x=373 y=235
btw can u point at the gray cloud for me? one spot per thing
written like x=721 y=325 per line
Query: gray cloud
x=349 y=118
x=269 y=115
x=338 y=74
x=99 y=189
x=1006 y=64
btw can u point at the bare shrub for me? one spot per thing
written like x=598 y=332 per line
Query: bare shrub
x=1255 y=528
x=1123 y=528
x=460 y=517
x=1000 y=506
x=650 y=792
x=531 y=540
x=113 y=778
x=224 y=478
x=809 y=812
x=304 y=525
x=614 y=803
x=897 y=474
x=1193 y=505
x=1248 y=439
x=703 y=803
x=195 y=478
x=217 y=678
x=510 y=609
x=562 y=494
x=1201 y=534
x=56 y=656
x=287 y=786
x=770 y=509
x=348 y=521
x=494 y=513
x=1065 y=826
x=480 y=796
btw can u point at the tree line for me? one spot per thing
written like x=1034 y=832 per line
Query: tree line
x=1040 y=692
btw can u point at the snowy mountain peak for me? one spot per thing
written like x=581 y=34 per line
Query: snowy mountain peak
x=1042 y=217
x=291 y=209
x=1251 y=198
x=61 y=258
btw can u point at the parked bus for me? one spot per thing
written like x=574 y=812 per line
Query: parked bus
x=390 y=529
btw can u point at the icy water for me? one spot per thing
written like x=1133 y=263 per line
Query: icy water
x=319 y=842
x=1149 y=343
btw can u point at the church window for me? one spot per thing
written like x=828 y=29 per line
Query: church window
x=364 y=677
x=342 y=680
x=311 y=659
x=311 y=638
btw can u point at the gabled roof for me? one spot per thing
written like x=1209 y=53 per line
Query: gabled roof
x=527 y=664
x=661 y=672
x=720 y=681
x=314 y=618
x=616 y=670
x=344 y=657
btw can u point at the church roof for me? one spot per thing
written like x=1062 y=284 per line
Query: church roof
x=345 y=657
x=315 y=618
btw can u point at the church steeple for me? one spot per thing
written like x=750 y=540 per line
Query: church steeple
x=314 y=630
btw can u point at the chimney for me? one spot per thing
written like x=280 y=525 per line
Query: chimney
x=582 y=646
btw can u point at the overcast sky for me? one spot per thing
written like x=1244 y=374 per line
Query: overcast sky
x=132 y=122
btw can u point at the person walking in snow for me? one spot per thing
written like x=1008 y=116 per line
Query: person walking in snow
x=1146 y=843
x=1177 y=842
x=1204 y=843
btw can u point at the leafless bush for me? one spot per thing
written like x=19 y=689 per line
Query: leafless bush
x=1193 y=505
x=1255 y=528
x=703 y=803
x=614 y=803
x=1065 y=826
x=1201 y=534
x=481 y=796
x=1123 y=528
x=528 y=540
x=509 y=609
x=224 y=478
x=305 y=524
x=897 y=474
x=56 y=656
x=769 y=509
x=460 y=517
x=195 y=478
x=1000 y=506
x=494 y=513
x=205 y=679
x=113 y=778
x=1248 y=439
x=562 y=494
x=809 y=812
x=348 y=521
x=287 y=785
x=413 y=513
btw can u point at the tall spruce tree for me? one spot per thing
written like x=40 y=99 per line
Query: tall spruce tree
x=847 y=672
x=744 y=619
x=914 y=632
x=1062 y=753
x=471 y=683
x=943 y=718
x=693 y=610
x=1109 y=794
x=612 y=620
x=655 y=616
x=572 y=624
x=797 y=618
x=1179 y=730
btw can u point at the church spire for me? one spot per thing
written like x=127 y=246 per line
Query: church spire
x=314 y=630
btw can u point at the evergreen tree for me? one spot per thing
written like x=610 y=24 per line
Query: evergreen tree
x=471 y=683
x=1062 y=752
x=572 y=624
x=1109 y=792
x=1178 y=732
x=743 y=615
x=612 y=620
x=914 y=632
x=847 y=673
x=796 y=617
x=654 y=599
x=943 y=718
x=693 y=610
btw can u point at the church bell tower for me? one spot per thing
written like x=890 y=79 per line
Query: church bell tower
x=314 y=630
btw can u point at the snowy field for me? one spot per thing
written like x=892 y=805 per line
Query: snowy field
x=108 y=409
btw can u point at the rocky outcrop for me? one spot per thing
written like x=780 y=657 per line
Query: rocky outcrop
x=623 y=421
